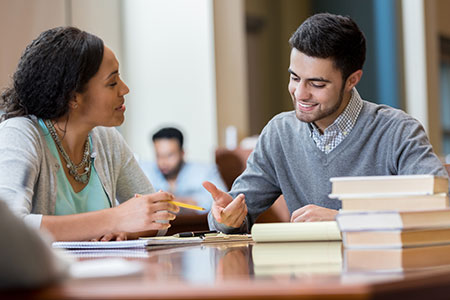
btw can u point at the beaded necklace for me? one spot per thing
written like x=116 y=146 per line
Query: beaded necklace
x=73 y=169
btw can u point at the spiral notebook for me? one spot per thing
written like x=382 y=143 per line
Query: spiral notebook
x=109 y=253
x=131 y=244
x=154 y=242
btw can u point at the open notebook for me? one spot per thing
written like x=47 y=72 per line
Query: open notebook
x=153 y=242
x=131 y=244
x=296 y=232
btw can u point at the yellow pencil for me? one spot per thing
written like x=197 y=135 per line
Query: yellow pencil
x=190 y=206
x=180 y=204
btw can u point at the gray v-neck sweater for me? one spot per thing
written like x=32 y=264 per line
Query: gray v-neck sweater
x=384 y=141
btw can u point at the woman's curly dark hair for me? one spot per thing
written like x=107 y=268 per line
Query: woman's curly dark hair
x=58 y=63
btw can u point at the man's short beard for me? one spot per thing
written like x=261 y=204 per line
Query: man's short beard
x=327 y=112
x=174 y=173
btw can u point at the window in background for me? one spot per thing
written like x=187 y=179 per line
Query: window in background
x=379 y=20
x=444 y=69
x=169 y=67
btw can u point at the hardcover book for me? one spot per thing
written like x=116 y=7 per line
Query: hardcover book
x=386 y=185
x=396 y=238
x=394 y=202
x=395 y=260
x=393 y=220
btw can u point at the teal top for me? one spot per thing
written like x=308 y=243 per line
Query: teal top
x=91 y=198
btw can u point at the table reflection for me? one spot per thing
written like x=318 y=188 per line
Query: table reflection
x=201 y=264
x=209 y=264
x=293 y=260
x=242 y=270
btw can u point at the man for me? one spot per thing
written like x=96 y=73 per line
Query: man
x=331 y=133
x=172 y=174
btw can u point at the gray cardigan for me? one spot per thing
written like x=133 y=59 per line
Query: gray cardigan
x=384 y=141
x=28 y=169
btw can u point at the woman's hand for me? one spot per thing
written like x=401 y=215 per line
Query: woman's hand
x=114 y=236
x=145 y=212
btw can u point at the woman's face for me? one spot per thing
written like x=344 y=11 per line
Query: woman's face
x=102 y=102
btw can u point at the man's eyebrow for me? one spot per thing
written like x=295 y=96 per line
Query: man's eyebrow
x=292 y=72
x=112 y=73
x=321 y=79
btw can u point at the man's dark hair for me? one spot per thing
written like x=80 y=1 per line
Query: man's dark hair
x=337 y=37
x=56 y=65
x=169 y=133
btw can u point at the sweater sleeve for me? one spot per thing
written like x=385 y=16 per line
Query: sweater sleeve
x=412 y=152
x=130 y=179
x=19 y=167
x=116 y=163
x=258 y=182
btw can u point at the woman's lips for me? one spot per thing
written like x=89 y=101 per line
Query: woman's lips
x=121 y=108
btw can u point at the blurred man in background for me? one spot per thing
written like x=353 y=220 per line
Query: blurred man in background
x=171 y=173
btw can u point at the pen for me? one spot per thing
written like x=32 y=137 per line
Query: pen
x=193 y=233
x=180 y=204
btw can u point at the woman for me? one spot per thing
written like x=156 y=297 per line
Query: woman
x=63 y=165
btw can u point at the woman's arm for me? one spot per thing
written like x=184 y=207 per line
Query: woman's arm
x=143 y=213
x=121 y=169
x=20 y=167
x=124 y=172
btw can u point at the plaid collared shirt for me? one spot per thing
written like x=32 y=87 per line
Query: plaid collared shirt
x=341 y=127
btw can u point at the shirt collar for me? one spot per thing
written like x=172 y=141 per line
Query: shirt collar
x=347 y=119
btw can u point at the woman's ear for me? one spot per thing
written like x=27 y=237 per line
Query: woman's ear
x=73 y=104
x=75 y=101
x=353 y=79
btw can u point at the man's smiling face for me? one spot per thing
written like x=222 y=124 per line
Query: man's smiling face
x=316 y=88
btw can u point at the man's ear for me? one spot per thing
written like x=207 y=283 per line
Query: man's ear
x=353 y=80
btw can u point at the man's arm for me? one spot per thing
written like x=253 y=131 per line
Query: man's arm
x=411 y=151
x=313 y=213
x=214 y=225
x=258 y=183
x=227 y=213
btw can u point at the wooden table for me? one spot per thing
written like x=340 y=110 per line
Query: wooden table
x=228 y=271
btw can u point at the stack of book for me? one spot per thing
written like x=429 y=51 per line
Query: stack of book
x=401 y=192
x=385 y=218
